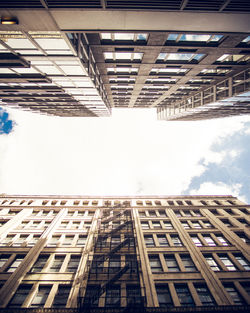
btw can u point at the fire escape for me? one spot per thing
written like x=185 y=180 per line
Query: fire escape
x=112 y=279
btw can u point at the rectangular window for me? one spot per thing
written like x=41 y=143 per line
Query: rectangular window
x=144 y=225
x=41 y=296
x=149 y=241
x=152 y=213
x=133 y=293
x=81 y=241
x=155 y=264
x=196 y=241
x=57 y=263
x=168 y=225
x=244 y=237
x=246 y=286
x=210 y=242
x=114 y=264
x=196 y=225
x=222 y=240
x=33 y=240
x=212 y=263
x=185 y=225
x=68 y=240
x=204 y=295
x=53 y=241
x=188 y=263
x=156 y=225
x=163 y=242
x=113 y=296
x=164 y=296
x=207 y=224
x=73 y=263
x=227 y=262
x=184 y=295
x=3 y=259
x=234 y=294
x=61 y=296
x=171 y=263
x=243 y=261
x=161 y=212
x=176 y=240
x=19 y=296
x=196 y=213
x=39 y=264
x=14 y=265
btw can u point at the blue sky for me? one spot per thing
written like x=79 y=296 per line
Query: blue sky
x=128 y=154
x=232 y=169
x=6 y=124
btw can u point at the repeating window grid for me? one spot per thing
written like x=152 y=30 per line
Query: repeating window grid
x=15 y=262
x=61 y=296
x=162 y=240
x=244 y=237
x=175 y=241
x=20 y=297
x=197 y=240
x=155 y=264
x=171 y=262
x=41 y=264
x=206 y=224
x=221 y=240
x=184 y=295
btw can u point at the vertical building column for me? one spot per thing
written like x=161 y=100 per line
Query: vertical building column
x=213 y=282
x=81 y=274
x=150 y=290
x=16 y=277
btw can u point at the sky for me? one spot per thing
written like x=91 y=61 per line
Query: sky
x=130 y=153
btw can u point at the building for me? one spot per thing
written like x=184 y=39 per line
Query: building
x=189 y=59
x=124 y=254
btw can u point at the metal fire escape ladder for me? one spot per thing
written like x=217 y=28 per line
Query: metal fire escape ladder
x=100 y=277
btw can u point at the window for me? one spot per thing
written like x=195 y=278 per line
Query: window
x=113 y=296
x=171 y=263
x=81 y=241
x=164 y=296
x=198 y=39
x=73 y=263
x=7 y=240
x=243 y=261
x=155 y=264
x=196 y=241
x=210 y=242
x=234 y=294
x=227 y=262
x=246 y=286
x=162 y=213
x=188 y=263
x=92 y=294
x=212 y=263
x=187 y=213
x=115 y=241
x=133 y=293
x=179 y=58
x=227 y=223
x=178 y=213
x=204 y=294
x=57 y=263
x=149 y=241
x=156 y=225
x=243 y=237
x=19 y=241
x=41 y=296
x=152 y=213
x=168 y=225
x=19 y=296
x=3 y=259
x=207 y=224
x=222 y=240
x=61 y=296
x=68 y=240
x=176 y=241
x=53 y=241
x=144 y=225
x=33 y=240
x=14 y=265
x=196 y=213
x=162 y=240
x=39 y=264
x=196 y=225
x=114 y=264
x=185 y=225
x=184 y=295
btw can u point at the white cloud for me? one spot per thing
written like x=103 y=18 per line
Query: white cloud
x=209 y=188
x=129 y=153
